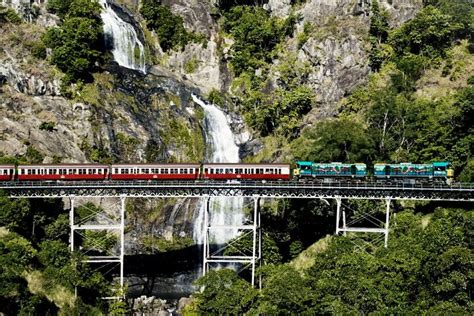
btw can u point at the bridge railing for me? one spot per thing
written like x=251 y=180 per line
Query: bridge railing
x=239 y=184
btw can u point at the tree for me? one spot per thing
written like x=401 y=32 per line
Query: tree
x=428 y=34
x=223 y=292
x=14 y=214
x=340 y=140
x=59 y=7
x=169 y=27
x=256 y=34
x=78 y=43
x=284 y=291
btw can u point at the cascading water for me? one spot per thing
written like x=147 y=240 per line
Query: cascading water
x=221 y=148
x=127 y=49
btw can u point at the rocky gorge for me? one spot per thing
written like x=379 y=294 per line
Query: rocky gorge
x=148 y=114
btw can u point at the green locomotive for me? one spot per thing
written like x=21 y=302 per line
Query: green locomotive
x=435 y=171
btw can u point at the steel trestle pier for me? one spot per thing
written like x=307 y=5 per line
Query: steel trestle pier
x=255 y=190
x=270 y=189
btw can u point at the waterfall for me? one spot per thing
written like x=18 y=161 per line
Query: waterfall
x=127 y=49
x=221 y=148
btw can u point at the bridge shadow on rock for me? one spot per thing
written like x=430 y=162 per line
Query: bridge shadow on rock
x=167 y=275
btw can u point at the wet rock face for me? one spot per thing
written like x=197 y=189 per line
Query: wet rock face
x=195 y=13
x=28 y=83
x=279 y=8
x=318 y=11
x=20 y=126
x=338 y=64
x=401 y=10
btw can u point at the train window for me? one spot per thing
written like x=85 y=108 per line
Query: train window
x=172 y=171
x=165 y=171
x=29 y=171
x=80 y=171
x=228 y=171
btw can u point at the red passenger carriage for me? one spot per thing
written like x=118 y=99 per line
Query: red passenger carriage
x=178 y=171
x=7 y=172
x=63 y=172
x=229 y=171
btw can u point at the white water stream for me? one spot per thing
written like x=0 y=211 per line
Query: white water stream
x=221 y=147
x=127 y=49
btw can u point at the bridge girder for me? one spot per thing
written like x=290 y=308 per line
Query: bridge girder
x=458 y=192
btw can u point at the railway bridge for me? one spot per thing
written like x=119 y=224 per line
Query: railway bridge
x=254 y=190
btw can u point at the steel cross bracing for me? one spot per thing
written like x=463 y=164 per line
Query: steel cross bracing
x=270 y=189
x=218 y=257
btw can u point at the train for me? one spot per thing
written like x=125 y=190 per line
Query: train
x=303 y=171
x=439 y=171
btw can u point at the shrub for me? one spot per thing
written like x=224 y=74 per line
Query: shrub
x=77 y=44
x=8 y=15
x=47 y=126
x=168 y=27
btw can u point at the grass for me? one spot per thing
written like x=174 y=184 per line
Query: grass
x=59 y=295
x=306 y=258
x=450 y=76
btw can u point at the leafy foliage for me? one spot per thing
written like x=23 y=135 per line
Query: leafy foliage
x=77 y=44
x=169 y=27
x=224 y=293
x=341 y=139
x=256 y=34
x=428 y=34
x=433 y=273
x=43 y=263
x=8 y=15
x=378 y=32
x=59 y=7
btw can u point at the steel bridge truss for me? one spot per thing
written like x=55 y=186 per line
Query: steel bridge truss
x=113 y=220
x=218 y=256
x=357 y=229
x=270 y=189
x=339 y=191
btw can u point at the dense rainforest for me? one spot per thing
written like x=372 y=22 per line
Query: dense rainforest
x=392 y=89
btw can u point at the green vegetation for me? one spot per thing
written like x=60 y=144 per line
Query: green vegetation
x=47 y=126
x=388 y=120
x=127 y=146
x=38 y=274
x=304 y=36
x=256 y=34
x=59 y=7
x=169 y=27
x=8 y=15
x=433 y=275
x=378 y=32
x=153 y=244
x=77 y=44
x=191 y=65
